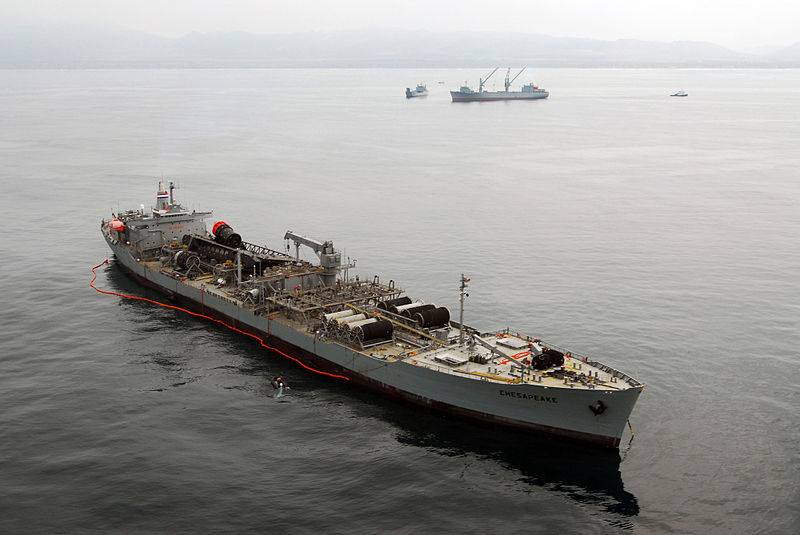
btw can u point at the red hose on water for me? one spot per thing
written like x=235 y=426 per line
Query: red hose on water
x=260 y=341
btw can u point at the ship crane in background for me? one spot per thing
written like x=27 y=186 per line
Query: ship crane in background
x=508 y=84
x=528 y=91
x=484 y=80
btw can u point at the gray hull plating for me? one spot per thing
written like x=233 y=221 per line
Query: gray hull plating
x=505 y=95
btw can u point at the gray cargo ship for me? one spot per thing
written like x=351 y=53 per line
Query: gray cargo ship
x=420 y=91
x=528 y=92
x=369 y=331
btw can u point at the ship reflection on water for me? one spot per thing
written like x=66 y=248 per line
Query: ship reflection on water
x=584 y=473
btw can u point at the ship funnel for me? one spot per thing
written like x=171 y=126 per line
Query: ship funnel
x=162 y=197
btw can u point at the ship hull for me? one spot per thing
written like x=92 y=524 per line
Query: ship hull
x=562 y=412
x=483 y=97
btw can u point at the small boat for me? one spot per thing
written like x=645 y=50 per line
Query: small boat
x=420 y=91
x=680 y=93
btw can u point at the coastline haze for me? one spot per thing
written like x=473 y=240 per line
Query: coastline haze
x=743 y=27
x=88 y=45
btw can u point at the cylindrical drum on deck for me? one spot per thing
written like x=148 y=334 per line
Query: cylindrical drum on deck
x=180 y=258
x=341 y=314
x=398 y=309
x=347 y=319
x=429 y=319
x=225 y=235
x=379 y=330
x=353 y=324
x=384 y=305
x=409 y=312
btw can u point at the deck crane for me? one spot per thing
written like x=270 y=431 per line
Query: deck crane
x=483 y=81
x=508 y=84
x=329 y=258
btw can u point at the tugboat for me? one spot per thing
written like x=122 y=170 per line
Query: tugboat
x=528 y=92
x=420 y=91
x=368 y=331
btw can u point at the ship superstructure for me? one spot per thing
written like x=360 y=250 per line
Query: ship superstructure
x=369 y=330
x=529 y=91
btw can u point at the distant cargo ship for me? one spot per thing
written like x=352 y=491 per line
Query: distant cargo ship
x=529 y=91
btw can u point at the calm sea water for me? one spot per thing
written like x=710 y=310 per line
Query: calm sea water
x=660 y=235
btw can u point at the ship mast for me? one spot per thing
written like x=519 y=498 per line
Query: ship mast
x=463 y=292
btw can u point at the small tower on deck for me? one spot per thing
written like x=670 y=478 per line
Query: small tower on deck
x=162 y=197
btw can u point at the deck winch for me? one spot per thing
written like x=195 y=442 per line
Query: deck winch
x=548 y=358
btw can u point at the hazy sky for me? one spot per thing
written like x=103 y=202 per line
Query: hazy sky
x=739 y=25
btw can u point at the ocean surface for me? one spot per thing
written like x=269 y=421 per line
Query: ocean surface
x=659 y=235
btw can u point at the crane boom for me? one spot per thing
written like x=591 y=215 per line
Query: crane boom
x=317 y=247
x=487 y=79
x=517 y=76
x=329 y=258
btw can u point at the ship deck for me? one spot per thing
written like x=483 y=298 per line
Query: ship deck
x=480 y=363
x=503 y=358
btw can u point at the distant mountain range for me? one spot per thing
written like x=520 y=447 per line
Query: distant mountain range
x=93 y=47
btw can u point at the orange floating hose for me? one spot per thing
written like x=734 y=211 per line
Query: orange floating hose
x=260 y=341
